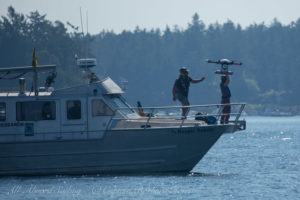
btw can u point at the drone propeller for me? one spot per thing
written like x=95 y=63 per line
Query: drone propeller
x=236 y=63
x=212 y=61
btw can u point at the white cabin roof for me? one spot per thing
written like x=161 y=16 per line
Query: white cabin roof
x=105 y=86
x=17 y=94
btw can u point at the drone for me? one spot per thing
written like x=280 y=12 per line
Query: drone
x=224 y=65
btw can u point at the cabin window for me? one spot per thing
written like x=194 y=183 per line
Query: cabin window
x=74 y=109
x=36 y=110
x=2 y=111
x=121 y=104
x=99 y=108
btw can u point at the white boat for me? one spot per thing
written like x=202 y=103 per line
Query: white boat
x=91 y=129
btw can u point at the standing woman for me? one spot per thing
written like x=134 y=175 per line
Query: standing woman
x=225 y=99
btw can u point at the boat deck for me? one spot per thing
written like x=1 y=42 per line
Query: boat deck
x=157 y=123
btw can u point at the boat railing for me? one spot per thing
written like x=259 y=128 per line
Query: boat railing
x=210 y=113
x=161 y=117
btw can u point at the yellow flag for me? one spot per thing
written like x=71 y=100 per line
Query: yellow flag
x=34 y=60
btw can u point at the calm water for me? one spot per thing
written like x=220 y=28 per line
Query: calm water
x=262 y=162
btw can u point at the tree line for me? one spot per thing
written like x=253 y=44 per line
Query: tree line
x=149 y=60
x=20 y=33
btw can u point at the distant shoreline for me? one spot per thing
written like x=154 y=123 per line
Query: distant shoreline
x=271 y=110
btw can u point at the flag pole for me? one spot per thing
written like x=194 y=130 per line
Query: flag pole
x=35 y=73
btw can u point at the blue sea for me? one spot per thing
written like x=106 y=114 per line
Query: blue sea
x=262 y=162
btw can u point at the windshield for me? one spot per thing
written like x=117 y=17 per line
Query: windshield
x=121 y=104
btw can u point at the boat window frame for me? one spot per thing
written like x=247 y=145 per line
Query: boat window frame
x=3 y=118
x=67 y=109
x=125 y=112
x=41 y=117
x=104 y=113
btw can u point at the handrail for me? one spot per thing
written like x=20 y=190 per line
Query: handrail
x=193 y=106
x=146 y=123
x=183 y=119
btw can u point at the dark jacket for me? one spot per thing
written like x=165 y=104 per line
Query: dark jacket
x=182 y=85
x=226 y=94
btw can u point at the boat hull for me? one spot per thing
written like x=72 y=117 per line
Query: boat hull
x=119 y=151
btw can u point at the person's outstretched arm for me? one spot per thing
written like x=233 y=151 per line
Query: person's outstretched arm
x=197 y=80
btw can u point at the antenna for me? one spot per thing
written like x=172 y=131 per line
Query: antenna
x=87 y=31
x=86 y=63
x=85 y=40
x=87 y=23
x=81 y=22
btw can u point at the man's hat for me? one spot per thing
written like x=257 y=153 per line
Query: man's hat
x=183 y=70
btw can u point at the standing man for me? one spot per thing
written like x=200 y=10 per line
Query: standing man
x=225 y=99
x=181 y=88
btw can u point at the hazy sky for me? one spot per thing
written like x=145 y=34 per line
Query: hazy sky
x=118 y=15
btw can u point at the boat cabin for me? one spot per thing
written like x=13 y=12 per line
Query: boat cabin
x=83 y=111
